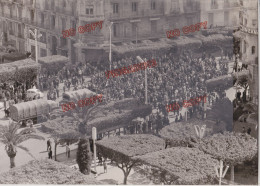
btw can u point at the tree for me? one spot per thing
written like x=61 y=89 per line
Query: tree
x=121 y=149
x=232 y=148
x=184 y=133
x=102 y=116
x=222 y=111
x=243 y=81
x=46 y=172
x=12 y=139
x=179 y=166
x=62 y=130
x=84 y=156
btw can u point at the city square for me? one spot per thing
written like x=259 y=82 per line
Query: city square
x=126 y=100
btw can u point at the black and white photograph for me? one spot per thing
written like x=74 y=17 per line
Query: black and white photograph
x=129 y=92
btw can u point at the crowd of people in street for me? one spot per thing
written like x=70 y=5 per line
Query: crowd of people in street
x=176 y=78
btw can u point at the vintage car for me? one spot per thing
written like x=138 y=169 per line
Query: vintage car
x=34 y=110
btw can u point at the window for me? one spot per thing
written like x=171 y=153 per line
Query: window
x=32 y=15
x=115 y=8
x=115 y=30
x=42 y=18
x=43 y=53
x=245 y=23
x=63 y=23
x=89 y=10
x=253 y=49
x=53 y=21
x=153 y=26
x=152 y=5
x=134 y=7
x=254 y=22
x=64 y=3
x=73 y=24
x=189 y=21
x=214 y=4
x=244 y=46
x=43 y=37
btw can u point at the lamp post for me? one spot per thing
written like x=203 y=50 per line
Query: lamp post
x=145 y=84
x=220 y=173
x=136 y=36
x=110 y=51
x=145 y=73
x=94 y=137
x=36 y=36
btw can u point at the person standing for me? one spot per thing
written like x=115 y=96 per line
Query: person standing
x=48 y=144
x=105 y=166
x=68 y=151
x=50 y=153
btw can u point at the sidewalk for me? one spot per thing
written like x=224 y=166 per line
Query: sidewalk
x=113 y=176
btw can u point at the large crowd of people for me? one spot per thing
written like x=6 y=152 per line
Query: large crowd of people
x=176 y=78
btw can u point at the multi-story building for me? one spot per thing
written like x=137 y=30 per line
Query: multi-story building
x=248 y=35
x=49 y=17
x=133 y=21
x=220 y=12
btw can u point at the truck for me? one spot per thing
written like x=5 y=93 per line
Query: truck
x=34 y=110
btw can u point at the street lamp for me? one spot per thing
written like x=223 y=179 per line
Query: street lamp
x=110 y=52
x=220 y=173
x=36 y=37
x=145 y=73
x=94 y=137
x=136 y=36
x=145 y=83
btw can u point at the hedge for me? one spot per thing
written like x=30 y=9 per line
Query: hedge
x=183 y=133
x=130 y=145
x=46 y=172
x=20 y=71
x=180 y=166
x=53 y=63
x=232 y=148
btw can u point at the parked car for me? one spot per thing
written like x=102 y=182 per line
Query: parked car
x=31 y=93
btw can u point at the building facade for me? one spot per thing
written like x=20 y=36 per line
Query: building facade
x=220 y=12
x=134 y=21
x=49 y=17
x=248 y=35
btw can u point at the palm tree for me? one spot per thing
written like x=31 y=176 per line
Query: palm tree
x=12 y=138
x=82 y=114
